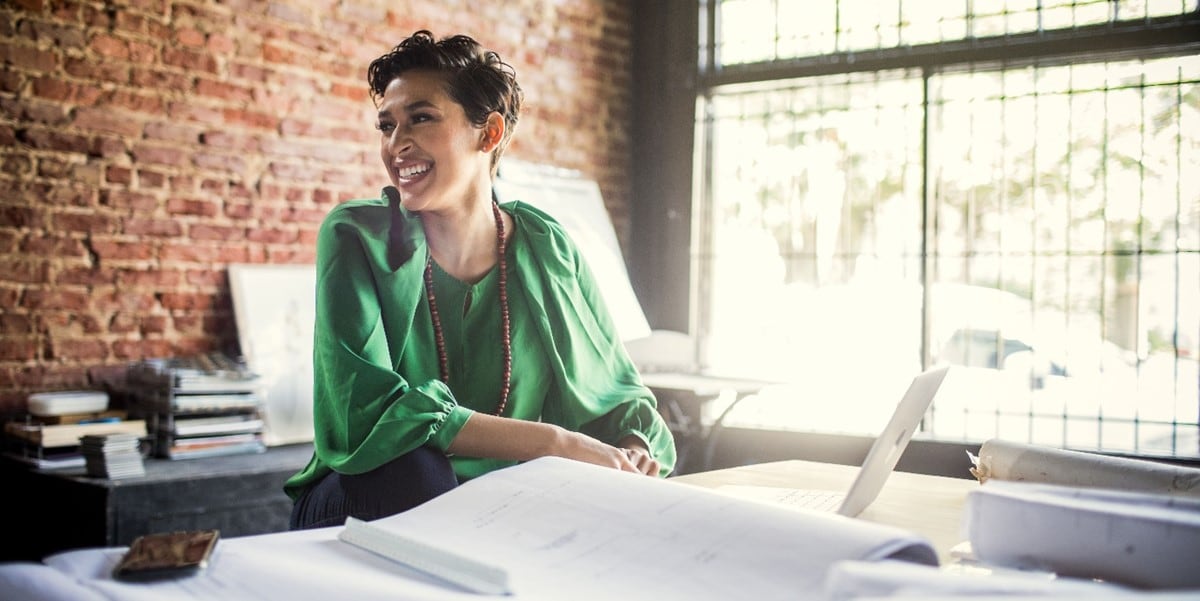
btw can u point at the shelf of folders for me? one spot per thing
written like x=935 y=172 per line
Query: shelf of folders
x=199 y=406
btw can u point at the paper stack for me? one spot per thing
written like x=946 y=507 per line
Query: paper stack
x=1128 y=521
x=113 y=456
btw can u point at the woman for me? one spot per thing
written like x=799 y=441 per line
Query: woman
x=455 y=336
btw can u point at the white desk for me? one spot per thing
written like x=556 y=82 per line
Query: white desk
x=313 y=564
x=928 y=505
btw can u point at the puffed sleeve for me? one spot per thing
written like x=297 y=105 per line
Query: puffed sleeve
x=366 y=413
x=596 y=390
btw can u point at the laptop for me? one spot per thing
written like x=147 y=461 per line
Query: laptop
x=880 y=461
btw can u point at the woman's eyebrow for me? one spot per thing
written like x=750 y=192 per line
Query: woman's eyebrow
x=412 y=106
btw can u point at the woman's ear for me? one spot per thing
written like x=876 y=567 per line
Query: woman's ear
x=493 y=132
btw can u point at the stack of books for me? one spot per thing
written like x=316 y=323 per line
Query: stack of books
x=49 y=436
x=113 y=456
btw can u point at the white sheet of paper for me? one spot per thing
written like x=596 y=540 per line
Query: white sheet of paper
x=565 y=529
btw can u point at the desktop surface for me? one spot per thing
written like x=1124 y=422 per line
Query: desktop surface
x=928 y=505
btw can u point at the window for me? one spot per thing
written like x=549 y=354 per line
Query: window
x=1012 y=188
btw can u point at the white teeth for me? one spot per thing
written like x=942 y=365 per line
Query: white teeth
x=413 y=170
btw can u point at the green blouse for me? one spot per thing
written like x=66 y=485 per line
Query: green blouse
x=376 y=389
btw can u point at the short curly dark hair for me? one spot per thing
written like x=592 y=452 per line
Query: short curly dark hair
x=476 y=78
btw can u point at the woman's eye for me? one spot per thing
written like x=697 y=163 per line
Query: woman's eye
x=420 y=118
x=385 y=127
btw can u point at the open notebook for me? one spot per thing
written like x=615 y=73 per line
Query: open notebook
x=877 y=466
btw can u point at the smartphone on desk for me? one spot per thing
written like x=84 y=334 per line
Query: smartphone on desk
x=167 y=555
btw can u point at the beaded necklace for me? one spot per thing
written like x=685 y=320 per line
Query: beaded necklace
x=435 y=316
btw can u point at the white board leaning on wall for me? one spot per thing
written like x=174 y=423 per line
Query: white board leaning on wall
x=275 y=307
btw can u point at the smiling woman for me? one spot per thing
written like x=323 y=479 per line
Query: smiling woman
x=455 y=336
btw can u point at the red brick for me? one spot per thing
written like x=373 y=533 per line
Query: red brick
x=65 y=193
x=170 y=131
x=118 y=175
x=233 y=254
x=84 y=276
x=159 y=155
x=232 y=210
x=78 y=349
x=153 y=324
x=9 y=296
x=190 y=37
x=105 y=120
x=291 y=255
x=132 y=350
x=53 y=88
x=229 y=141
x=110 y=47
x=270 y=236
x=12 y=324
x=57 y=298
x=224 y=90
x=189 y=253
x=118 y=198
x=190 y=112
x=215 y=232
x=159 y=228
x=20 y=166
x=38 y=247
x=151 y=76
x=48 y=139
x=187 y=323
x=114 y=250
x=24 y=269
x=115 y=299
x=251 y=118
x=110 y=148
x=123 y=323
x=148 y=178
x=160 y=278
x=136 y=101
x=27 y=57
x=190 y=60
x=9 y=240
x=20 y=217
x=18 y=348
x=219 y=162
x=220 y=44
x=176 y=301
x=192 y=206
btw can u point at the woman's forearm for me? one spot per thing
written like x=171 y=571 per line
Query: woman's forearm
x=517 y=440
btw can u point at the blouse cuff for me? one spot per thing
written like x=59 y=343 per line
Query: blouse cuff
x=640 y=436
x=444 y=433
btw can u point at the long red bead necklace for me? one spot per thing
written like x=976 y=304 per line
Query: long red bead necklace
x=506 y=333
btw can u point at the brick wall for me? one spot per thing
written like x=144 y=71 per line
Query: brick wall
x=147 y=144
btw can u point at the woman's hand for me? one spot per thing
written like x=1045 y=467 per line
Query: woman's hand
x=639 y=455
x=581 y=447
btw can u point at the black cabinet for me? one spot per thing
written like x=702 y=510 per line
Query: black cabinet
x=54 y=511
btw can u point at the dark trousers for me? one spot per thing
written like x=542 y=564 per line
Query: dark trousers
x=401 y=484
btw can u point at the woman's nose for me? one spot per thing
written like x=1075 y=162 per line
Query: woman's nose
x=400 y=141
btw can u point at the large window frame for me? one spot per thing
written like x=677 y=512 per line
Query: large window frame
x=1143 y=38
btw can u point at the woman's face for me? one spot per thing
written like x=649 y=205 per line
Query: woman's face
x=432 y=153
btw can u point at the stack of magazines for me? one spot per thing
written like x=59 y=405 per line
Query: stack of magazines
x=112 y=456
x=198 y=406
